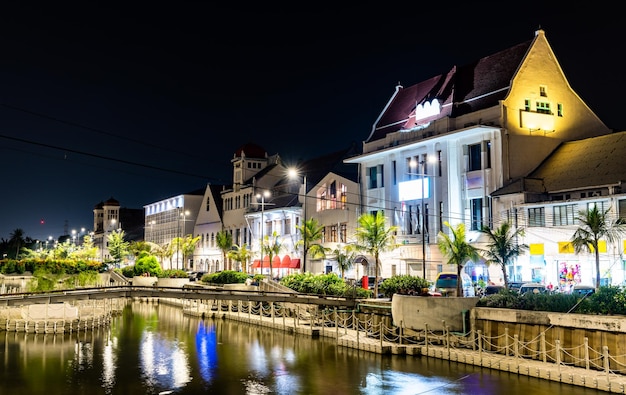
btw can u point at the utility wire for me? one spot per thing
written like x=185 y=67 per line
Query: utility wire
x=104 y=157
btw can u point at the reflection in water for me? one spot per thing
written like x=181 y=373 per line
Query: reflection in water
x=155 y=349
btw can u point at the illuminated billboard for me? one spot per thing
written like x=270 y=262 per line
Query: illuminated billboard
x=412 y=190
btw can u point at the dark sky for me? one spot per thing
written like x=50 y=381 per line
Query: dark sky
x=144 y=102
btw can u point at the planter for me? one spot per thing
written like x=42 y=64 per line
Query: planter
x=418 y=312
x=172 y=282
x=143 y=281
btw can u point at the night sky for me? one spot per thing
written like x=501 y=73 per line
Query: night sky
x=144 y=102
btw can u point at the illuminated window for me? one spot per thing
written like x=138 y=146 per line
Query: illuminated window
x=536 y=216
x=564 y=215
x=543 y=107
x=344 y=196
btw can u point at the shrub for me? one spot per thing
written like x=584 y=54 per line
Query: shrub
x=323 y=284
x=225 y=277
x=173 y=273
x=404 y=285
x=147 y=264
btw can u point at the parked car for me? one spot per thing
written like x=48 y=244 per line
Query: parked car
x=195 y=276
x=446 y=283
x=582 y=290
x=536 y=288
x=514 y=285
x=370 y=282
x=493 y=289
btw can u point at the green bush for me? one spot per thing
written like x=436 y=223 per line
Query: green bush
x=225 y=277
x=173 y=273
x=404 y=285
x=323 y=284
x=605 y=301
x=147 y=263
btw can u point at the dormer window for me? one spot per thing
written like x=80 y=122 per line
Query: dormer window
x=426 y=110
x=542 y=91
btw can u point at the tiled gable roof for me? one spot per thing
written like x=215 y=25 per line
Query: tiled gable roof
x=464 y=89
x=588 y=163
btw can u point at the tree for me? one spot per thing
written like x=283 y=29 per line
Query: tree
x=345 y=256
x=457 y=250
x=16 y=242
x=240 y=254
x=374 y=236
x=175 y=248
x=189 y=246
x=224 y=240
x=311 y=232
x=594 y=226
x=503 y=247
x=118 y=247
x=271 y=247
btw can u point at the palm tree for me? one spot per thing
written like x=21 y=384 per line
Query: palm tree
x=190 y=244
x=503 y=247
x=240 y=254
x=16 y=241
x=457 y=250
x=224 y=240
x=345 y=256
x=594 y=226
x=176 y=246
x=271 y=248
x=311 y=232
x=374 y=236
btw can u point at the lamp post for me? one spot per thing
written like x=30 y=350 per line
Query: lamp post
x=293 y=174
x=183 y=214
x=262 y=196
x=424 y=176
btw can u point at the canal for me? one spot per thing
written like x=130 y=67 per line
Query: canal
x=155 y=349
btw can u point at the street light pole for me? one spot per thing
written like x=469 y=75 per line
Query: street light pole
x=423 y=225
x=262 y=197
x=305 y=244
x=293 y=173
x=423 y=209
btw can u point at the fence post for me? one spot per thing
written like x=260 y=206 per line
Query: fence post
x=336 y=325
x=447 y=332
x=426 y=337
x=506 y=342
x=607 y=362
x=401 y=332
x=586 y=353
x=480 y=346
x=382 y=335
x=543 y=347
x=558 y=353
x=516 y=345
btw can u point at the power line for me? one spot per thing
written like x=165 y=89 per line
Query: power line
x=124 y=161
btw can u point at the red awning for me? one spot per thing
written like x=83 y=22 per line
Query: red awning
x=295 y=263
x=285 y=262
x=256 y=263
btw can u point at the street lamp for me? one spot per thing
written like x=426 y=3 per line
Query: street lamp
x=413 y=164
x=293 y=174
x=262 y=196
x=183 y=214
